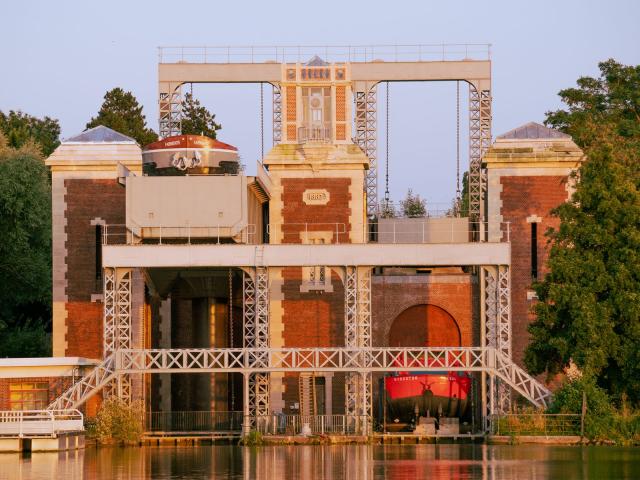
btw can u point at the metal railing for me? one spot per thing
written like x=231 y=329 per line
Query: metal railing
x=194 y=421
x=40 y=423
x=440 y=230
x=281 y=424
x=303 y=232
x=314 y=134
x=536 y=424
x=401 y=230
x=329 y=53
x=119 y=234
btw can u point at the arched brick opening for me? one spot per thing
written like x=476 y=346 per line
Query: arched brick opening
x=424 y=325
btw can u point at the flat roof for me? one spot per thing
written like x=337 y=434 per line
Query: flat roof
x=46 y=361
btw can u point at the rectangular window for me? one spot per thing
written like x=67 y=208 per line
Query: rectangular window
x=534 y=251
x=321 y=395
x=28 y=395
x=98 y=254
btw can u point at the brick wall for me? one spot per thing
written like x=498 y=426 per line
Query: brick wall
x=523 y=197
x=319 y=217
x=86 y=200
x=312 y=319
x=451 y=316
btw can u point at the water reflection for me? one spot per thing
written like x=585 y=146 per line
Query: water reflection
x=350 y=462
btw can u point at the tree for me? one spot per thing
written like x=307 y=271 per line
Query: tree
x=25 y=251
x=589 y=303
x=121 y=112
x=196 y=119
x=413 y=205
x=460 y=206
x=19 y=128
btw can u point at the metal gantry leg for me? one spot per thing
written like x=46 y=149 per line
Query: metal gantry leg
x=351 y=336
x=170 y=107
x=498 y=331
x=277 y=114
x=358 y=386
x=117 y=323
x=479 y=142
x=256 y=335
x=366 y=137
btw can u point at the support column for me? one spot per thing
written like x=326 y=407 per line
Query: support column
x=117 y=323
x=256 y=335
x=479 y=142
x=497 y=333
x=366 y=138
x=358 y=335
x=170 y=107
x=351 y=337
x=277 y=115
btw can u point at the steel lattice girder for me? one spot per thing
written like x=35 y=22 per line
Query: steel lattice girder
x=170 y=107
x=256 y=361
x=277 y=114
x=117 y=326
x=358 y=387
x=256 y=334
x=479 y=143
x=361 y=360
x=498 y=330
x=366 y=138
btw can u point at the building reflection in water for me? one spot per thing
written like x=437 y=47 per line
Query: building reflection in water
x=350 y=462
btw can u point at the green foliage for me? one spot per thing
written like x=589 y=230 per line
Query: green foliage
x=20 y=128
x=600 y=411
x=460 y=206
x=28 y=338
x=196 y=119
x=25 y=250
x=121 y=112
x=603 y=422
x=387 y=210
x=254 y=439
x=413 y=206
x=117 y=421
x=589 y=309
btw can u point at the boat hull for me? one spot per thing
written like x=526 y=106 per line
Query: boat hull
x=427 y=394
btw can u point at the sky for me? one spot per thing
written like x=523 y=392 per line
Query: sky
x=59 y=58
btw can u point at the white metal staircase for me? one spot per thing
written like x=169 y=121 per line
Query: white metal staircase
x=87 y=386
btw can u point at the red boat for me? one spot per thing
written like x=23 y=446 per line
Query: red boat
x=427 y=394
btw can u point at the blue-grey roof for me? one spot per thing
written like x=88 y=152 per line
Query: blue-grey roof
x=316 y=61
x=532 y=130
x=100 y=134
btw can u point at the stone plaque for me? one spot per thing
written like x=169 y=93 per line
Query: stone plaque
x=315 y=197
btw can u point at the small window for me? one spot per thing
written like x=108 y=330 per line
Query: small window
x=28 y=395
x=534 y=251
x=98 y=253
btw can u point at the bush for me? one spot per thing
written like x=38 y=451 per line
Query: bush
x=413 y=206
x=600 y=416
x=117 y=421
x=253 y=439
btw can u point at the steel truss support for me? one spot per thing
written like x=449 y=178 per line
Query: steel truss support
x=277 y=114
x=479 y=143
x=358 y=387
x=256 y=335
x=250 y=361
x=170 y=107
x=117 y=323
x=366 y=138
x=497 y=294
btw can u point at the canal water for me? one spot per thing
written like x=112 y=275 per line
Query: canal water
x=350 y=462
